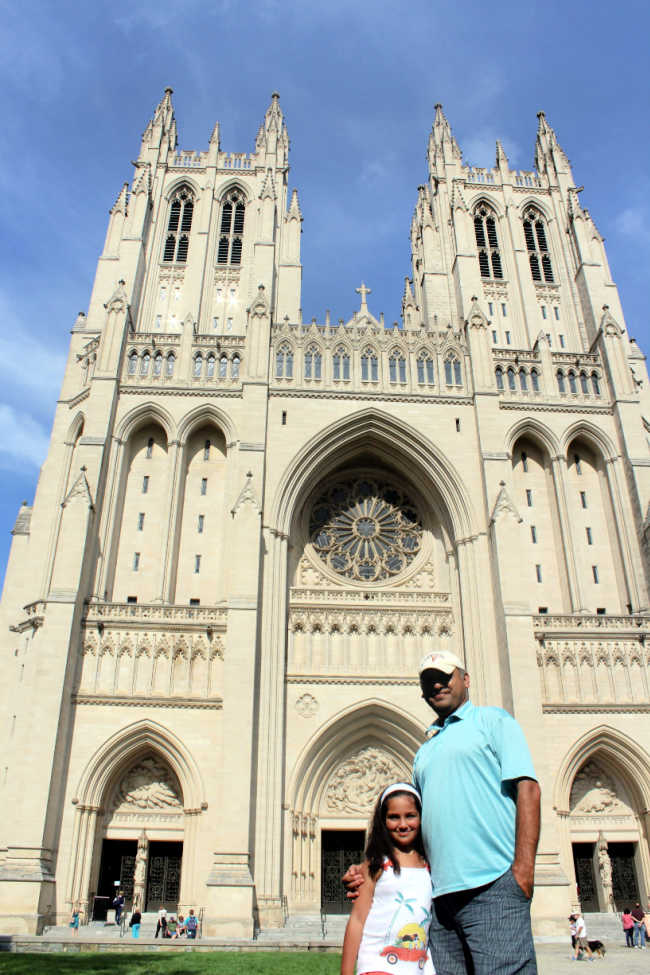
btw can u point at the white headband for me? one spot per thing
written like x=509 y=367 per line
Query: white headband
x=399 y=787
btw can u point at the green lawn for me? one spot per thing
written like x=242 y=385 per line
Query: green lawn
x=159 y=963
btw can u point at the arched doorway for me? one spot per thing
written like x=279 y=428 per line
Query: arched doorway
x=141 y=837
x=331 y=794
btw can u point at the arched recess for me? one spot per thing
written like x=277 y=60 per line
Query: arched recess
x=374 y=431
x=336 y=780
x=143 y=415
x=202 y=415
x=160 y=751
x=537 y=431
x=602 y=798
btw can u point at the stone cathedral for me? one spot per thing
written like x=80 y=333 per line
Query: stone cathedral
x=249 y=528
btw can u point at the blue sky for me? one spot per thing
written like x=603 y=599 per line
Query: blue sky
x=358 y=82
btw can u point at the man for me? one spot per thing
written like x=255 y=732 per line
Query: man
x=480 y=825
x=118 y=904
x=638 y=914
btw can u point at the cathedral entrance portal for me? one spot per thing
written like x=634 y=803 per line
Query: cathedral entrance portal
x=116 y=871
x=339 y=849
x=164 y=877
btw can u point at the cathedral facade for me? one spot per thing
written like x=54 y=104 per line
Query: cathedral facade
x=249 y=528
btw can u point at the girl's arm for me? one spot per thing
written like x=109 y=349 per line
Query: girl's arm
x=354 y=930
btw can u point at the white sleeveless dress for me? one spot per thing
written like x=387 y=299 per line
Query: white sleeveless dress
x=396 y=933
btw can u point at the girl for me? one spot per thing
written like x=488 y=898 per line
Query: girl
x=388 y=929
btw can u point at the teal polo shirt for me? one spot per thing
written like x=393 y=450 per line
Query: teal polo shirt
x=465 y=774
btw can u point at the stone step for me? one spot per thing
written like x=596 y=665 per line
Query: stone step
x=603 y=926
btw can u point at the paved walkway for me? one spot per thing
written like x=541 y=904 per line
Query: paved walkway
x=555 y=960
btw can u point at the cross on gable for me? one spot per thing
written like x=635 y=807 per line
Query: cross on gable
x=363 y=291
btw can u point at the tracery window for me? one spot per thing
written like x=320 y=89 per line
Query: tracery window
x=313 y=362
x=181 y=212
x=133 y=363
x=171 y=362
x=365 y=529
x=453 y=376
x=396 y=367
x=595 y=383
x=157 y=364
x=573 y=388
x=538 y=252
x=534 y=380
x=341 y=363
x=234 y=367
x=511 y=379
x=584 y=385
x=499 y=377
x=198 y=365
x=485 y=231
x=561 y=385
x=223 y=367
x=523 y=380
x=209 y=368
x=284 y=362
x=425 y=368
x=369 y=366
x=144 y=363
x=231 y=231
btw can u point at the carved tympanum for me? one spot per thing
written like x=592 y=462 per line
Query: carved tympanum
x=147 y=785
x=357 y=782
x=595 y=792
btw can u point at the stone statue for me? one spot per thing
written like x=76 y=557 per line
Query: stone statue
x=605 y=871
x=140 y=871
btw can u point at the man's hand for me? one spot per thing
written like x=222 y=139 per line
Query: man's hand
x=524 y=876
x=352 y=880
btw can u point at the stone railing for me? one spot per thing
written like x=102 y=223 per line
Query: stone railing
x=188 y=160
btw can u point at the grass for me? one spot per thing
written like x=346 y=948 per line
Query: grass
x=155 y=963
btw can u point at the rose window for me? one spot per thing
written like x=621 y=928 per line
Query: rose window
x=365 y=529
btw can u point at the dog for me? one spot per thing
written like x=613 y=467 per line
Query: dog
x=597 y=948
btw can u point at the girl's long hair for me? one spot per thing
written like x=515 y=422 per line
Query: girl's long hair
x=379 y=843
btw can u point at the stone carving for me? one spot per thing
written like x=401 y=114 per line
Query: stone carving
x=605 y=871
x=147 y=785
x=307 y=706
x=594 y=792
x=140 y=871
x=357 y=782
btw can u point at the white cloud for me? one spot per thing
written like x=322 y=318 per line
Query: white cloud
x=633 y=222
x=23 y=441
x=29 y=367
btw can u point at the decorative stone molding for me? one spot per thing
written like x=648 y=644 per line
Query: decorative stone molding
x=211 y=704
x=147 y=785
x=307 y=705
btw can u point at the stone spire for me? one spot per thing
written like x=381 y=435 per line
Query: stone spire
x=120 y=204
x=161 y=130
x=549 y=154
x=501 y=158
x=272 y=137
x=442 y=145
x=294 y=208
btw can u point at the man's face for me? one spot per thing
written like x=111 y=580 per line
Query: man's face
x=444 y=692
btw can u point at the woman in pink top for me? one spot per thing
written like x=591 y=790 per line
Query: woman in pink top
x=628 y=927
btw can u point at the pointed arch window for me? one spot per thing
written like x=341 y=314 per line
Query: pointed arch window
x=573 y=387
x=231 y=229
x=538 y=253
x=534 y=380
x=133 y=363
x=425 y=368
x=223 y=367
x=157 y=364
x=396 y=367
x=209 y=367
x=198 y=365
x=284 y=362
x=523 y=380
x=144 y=363
x=171 y=362
x=485 y=231
x=453 y=376
x=561 y=385
x=177 y=241
x=341 y=363
x=369 y=366
x=313 y=363
x=595 y=383
x=511 y=379
x=584 y=385
x=499 y=377
x=234 y=367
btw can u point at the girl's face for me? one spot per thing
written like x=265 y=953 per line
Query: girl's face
x=402 y=820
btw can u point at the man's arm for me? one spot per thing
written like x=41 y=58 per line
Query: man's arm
x=526 y=834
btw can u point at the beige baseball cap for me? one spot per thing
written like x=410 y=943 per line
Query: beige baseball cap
x=442 y=660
